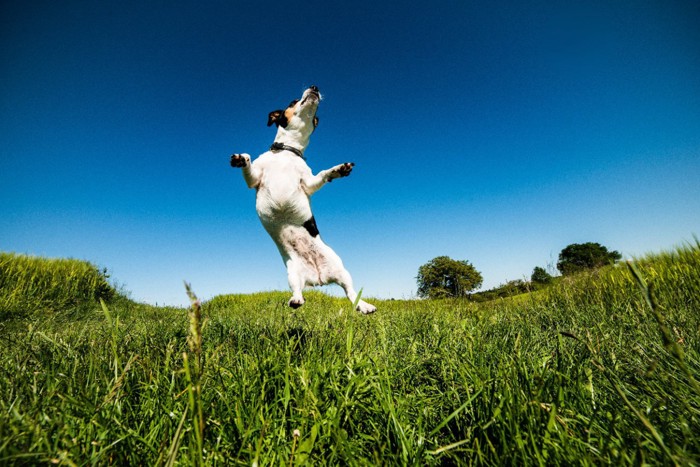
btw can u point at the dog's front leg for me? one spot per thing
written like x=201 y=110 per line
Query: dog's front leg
x=250 y=174
x=314 y=183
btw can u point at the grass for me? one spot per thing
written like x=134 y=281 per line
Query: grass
x=601 y=368
x=31 y=285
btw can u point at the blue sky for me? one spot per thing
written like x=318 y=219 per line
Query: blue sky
x=495 y=132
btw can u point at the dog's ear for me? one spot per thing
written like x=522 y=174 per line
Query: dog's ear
x=277 y=117
x=315 y=122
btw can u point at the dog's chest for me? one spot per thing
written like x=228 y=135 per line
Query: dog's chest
x=280 y=193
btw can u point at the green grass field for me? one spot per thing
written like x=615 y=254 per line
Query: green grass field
x=602 y=368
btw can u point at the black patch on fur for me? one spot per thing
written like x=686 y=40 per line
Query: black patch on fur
x=311 y=227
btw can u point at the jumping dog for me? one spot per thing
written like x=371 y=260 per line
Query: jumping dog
x=284 y=184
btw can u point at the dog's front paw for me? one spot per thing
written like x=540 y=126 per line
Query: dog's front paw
x=239 y=160
x=345 y=169
x=342 y=170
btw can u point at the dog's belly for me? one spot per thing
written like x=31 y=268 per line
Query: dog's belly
x=280 y=207
x=311 y=262
x=287 y=218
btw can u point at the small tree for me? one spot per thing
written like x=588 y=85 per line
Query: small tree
x=444 y=277
x=540 y=276
x=581 y=256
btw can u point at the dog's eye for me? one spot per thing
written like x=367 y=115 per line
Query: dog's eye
x=293 y=103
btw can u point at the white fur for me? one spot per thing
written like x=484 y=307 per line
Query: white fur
x=284 y=185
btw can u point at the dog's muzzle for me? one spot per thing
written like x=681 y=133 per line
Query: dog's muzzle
x=311 y=93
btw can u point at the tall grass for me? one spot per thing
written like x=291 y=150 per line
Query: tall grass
x=599 y=369
x=31 y=284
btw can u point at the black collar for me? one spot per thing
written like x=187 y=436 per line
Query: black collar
x=284 y=147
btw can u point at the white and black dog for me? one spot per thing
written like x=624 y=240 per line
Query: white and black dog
x=284 y=185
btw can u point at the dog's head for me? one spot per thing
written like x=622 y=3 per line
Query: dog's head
x=296 y=123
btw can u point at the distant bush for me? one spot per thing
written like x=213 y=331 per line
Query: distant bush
x=30 y=284
x=509 y=289
x=540 y=276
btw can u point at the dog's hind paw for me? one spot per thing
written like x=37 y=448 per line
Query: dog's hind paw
x=239 y=160
x=295 y=302
x=365 y=308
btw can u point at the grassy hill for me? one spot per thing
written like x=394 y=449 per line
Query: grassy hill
x=599 y=368
x=31 y=284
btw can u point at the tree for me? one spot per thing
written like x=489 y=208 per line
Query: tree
x=540 y=276
x=581 y=256
x=444 y=277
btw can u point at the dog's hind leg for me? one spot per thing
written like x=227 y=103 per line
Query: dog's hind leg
x=296 y=253
x=339 y=275
x=296 y=280
x=345 y=281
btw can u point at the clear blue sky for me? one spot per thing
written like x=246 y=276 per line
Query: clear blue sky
x=496 y=132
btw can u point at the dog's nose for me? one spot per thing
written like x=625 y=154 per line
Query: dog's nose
x=314 y=88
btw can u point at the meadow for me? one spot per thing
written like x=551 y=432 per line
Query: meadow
x=601 y=368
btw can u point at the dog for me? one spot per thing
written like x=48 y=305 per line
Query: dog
x=284 y=184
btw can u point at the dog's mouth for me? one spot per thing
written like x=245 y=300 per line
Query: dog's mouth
x=311 y=94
